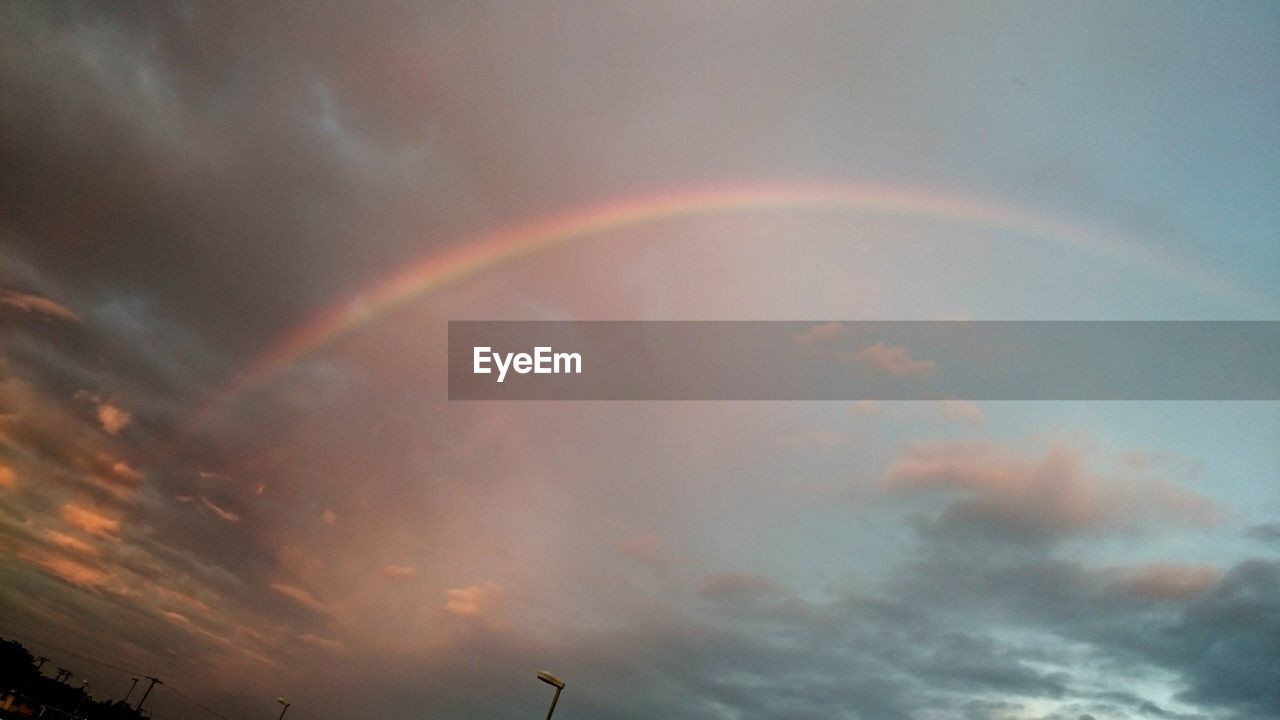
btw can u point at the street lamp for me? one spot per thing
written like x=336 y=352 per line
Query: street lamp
x=550 y=679
x=84 y=693
x=286 y=704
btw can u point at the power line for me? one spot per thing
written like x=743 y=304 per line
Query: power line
x=73 y=654
x=209 y=710
x=117 y=668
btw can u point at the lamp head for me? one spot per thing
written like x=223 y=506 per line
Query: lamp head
x=282 y=701
x=550 y=679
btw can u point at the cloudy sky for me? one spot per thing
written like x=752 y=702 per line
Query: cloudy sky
x=186 y=490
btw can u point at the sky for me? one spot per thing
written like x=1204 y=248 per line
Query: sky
x=188 y=490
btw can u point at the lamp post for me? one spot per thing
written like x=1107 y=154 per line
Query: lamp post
x=286 y=704
x=84 y=693
x=550 y=679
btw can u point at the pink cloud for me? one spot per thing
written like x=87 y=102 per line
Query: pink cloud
x=41 y=305
x=222 y=513
x=819 y=335
x=326 y=644
x=647 y=549
x=472 y=599
x=1166 y=581
x=399 y=572
x=963 y=411
x=302 y=597
x=176 y=618
x=1053 y=492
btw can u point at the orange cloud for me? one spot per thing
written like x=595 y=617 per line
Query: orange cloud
x=121 y=469
x=473 y=599
x=90 y=521
x=8 y=478
x=112 y=418
x=72 y=571
x=73 y=544
x=399 y=572
x=302 y=597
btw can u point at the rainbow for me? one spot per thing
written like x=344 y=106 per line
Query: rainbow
x=443 y=267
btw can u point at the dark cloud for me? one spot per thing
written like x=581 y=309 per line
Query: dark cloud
x=1266 y=532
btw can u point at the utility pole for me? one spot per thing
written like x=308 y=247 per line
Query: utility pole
x=40 y=661
x=63 y=674
x=131 y=687
x=154 y=682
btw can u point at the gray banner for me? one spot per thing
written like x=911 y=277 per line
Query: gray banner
x=924 y=360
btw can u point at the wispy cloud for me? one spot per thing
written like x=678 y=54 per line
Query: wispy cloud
x=894 y=360
x=40 y=305
x=473 y=600
x=220 y=512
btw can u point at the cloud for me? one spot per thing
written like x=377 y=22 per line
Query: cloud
x=963 y=411
x=647 y=549
x=738 y=586
x=302 y=597
x=70 y=543
x=37 y=304
x=398 y=572
x=326 y=644
x=821 y=335
x=112 y=418
x=90 y=521
x=176 y=618
x=894 y=360
x=223 y=514
x=1046 y=496
x=1166 y=581
x=473 y=599
x=329 y=516
x=1267 y=532
x=73 y=571
x=8 y=478
x=122 y=470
